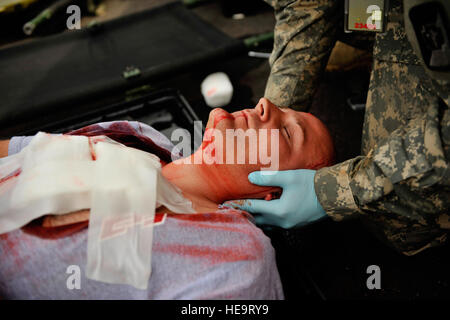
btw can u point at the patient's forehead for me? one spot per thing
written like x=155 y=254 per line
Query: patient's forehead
x=291 y=112
x=305 y=118
x=301 y=118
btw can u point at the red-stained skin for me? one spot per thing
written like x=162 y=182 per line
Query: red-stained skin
x=308 y=145
x=304 y=142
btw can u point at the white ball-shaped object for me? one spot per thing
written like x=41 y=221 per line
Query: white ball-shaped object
x=217 y=90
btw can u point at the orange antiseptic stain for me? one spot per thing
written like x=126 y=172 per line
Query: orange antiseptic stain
x=12 y=175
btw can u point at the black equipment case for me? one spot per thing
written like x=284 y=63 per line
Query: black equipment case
x=79 y=77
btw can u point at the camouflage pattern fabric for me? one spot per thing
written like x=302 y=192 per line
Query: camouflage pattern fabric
x=400 y=186
x=305 y=33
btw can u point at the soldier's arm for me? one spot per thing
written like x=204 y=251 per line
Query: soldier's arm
x=403 y=175
x=305 y=33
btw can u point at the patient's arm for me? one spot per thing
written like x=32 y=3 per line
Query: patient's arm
x=60 y=220
x=4 y=148
x=53 y=220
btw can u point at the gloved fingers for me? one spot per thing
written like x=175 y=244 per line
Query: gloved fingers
x=270 y=178
x=253 y=206
x=266 y=220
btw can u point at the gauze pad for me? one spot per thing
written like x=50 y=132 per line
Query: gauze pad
x=122 y=187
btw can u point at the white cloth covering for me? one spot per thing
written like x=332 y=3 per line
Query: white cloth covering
x=58 y=174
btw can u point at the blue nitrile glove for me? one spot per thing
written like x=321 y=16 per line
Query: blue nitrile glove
x=297 y=206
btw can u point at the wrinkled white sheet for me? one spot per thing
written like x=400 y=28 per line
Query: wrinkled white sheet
x=121 y=186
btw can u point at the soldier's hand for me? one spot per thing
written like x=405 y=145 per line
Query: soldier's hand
x=297 y=206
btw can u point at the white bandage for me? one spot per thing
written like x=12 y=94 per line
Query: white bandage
x=122 y=186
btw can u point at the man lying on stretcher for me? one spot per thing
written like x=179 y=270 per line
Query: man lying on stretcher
x=216 y=253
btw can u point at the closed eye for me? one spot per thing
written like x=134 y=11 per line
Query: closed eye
x=287 y=132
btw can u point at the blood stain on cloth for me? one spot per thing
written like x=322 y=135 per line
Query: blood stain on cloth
x=125 y=134
x=207 y=217
x=213 y=255
x=11 y=247
x=14 y=174
x=92 y=150
x=249 y=248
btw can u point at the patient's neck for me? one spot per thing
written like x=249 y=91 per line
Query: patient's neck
x=207 y=186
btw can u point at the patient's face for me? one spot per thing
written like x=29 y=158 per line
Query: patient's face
x=300 y=139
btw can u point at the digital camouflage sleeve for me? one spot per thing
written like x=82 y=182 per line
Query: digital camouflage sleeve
x=305 y=33
x=400 y=186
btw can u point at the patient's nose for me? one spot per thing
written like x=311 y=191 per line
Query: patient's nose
x=264 y=109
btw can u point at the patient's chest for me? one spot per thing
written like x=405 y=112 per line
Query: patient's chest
x=214 y=255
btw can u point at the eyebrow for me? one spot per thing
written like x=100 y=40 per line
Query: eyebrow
x=297 y=123
x=302 y=131
x=296 y=120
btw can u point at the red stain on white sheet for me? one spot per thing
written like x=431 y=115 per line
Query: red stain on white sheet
x=91 y=149
x=230 y=221
x=14 y=174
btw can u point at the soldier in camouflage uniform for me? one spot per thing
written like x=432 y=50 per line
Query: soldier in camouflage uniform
x=400 y=185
